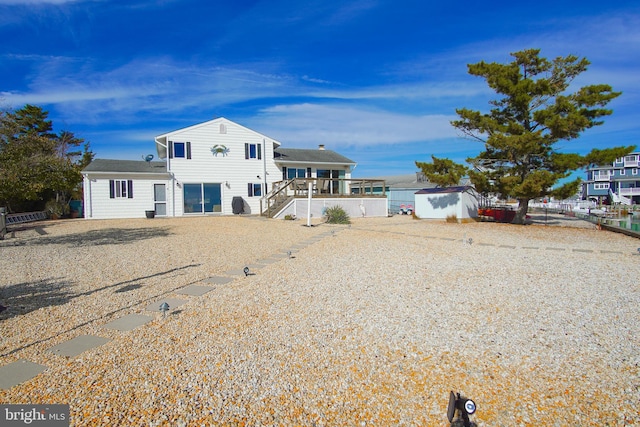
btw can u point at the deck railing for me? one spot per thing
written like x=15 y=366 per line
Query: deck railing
x=285 y=190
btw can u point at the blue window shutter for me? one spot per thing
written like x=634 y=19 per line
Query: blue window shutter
x=250 y=189
x=188 y=150
x=259 y=151
x=171 y=149
x=112 y=189
x=246 y=150
x=130 y=189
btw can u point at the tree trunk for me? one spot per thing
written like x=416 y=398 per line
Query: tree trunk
x=521 y=212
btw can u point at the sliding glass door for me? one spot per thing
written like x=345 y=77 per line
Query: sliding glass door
x=202 y=198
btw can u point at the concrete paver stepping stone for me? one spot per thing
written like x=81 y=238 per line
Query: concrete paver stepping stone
x=173 y=303
x=194 y=290
x=129 y=322
x=235 y=272
x=256 y=266
x=18 y=372
x=78 y=345
x=283 y=255
x=219 y=280
x=269 y=260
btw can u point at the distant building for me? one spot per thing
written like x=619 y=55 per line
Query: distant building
x=400 y=190
x=618 y=182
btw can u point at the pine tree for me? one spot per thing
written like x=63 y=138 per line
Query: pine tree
x=522 y=128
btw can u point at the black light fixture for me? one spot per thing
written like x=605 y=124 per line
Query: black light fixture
x=246 y=271
x=464 y=407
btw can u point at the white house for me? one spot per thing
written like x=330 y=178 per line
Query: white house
x=439 y=203
x=216 y=167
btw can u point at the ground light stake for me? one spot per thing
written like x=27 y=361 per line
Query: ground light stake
x=464 y=407
x=164 y=307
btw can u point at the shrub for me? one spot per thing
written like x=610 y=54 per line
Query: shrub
x=289 y=217
x=337 y=215
x=56 y=209
x=452 y=218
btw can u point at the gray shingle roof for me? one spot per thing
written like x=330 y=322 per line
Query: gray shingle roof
x=310 y=156
x=125 y=166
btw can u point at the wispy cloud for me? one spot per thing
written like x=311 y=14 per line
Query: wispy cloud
x=308 y=125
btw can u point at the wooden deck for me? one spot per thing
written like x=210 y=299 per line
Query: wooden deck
x=284 y=191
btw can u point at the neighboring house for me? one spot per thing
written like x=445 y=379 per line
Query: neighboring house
x=440 y=203
x=618 y=182
x=401 y=190
x=215 y=167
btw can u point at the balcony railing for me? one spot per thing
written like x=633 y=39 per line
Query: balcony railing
x=629 y=191
x=631 y=161
x=602 y=176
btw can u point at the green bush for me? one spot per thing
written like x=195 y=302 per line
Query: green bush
x=337 y=215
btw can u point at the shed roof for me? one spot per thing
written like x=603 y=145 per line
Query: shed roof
x=301 y=155
x=125 y=166
x=444 y=190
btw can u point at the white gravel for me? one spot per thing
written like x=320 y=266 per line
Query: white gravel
x=368 y=324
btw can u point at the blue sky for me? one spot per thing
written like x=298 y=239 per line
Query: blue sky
x=376 y=80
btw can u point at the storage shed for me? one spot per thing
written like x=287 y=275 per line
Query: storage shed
x=439 y=203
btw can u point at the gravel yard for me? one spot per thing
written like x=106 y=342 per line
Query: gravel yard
x=369 y=324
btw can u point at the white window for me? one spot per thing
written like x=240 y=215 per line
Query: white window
x=254 y=190
x=622 y=171
x=120 y=189
x=253 y=151
x=601 y=186
x=634 y=171
x=180 y=150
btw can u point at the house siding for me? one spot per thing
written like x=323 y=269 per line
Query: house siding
x=203 y=168
x=463 y=205
x=231 y=169
x=622 y=177
x=99 y=205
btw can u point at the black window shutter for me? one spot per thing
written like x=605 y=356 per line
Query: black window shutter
x=284 y=173
x=259 y=151
x=112 y=189
x=308 y=172
x=246 y=150
x=130 y=189
x=171 y=149
x=250 y=189
x=188 y=150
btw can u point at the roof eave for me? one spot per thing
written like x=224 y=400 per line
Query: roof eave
x=315 y=163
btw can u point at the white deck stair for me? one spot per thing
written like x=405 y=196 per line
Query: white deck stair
x=617 y=198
